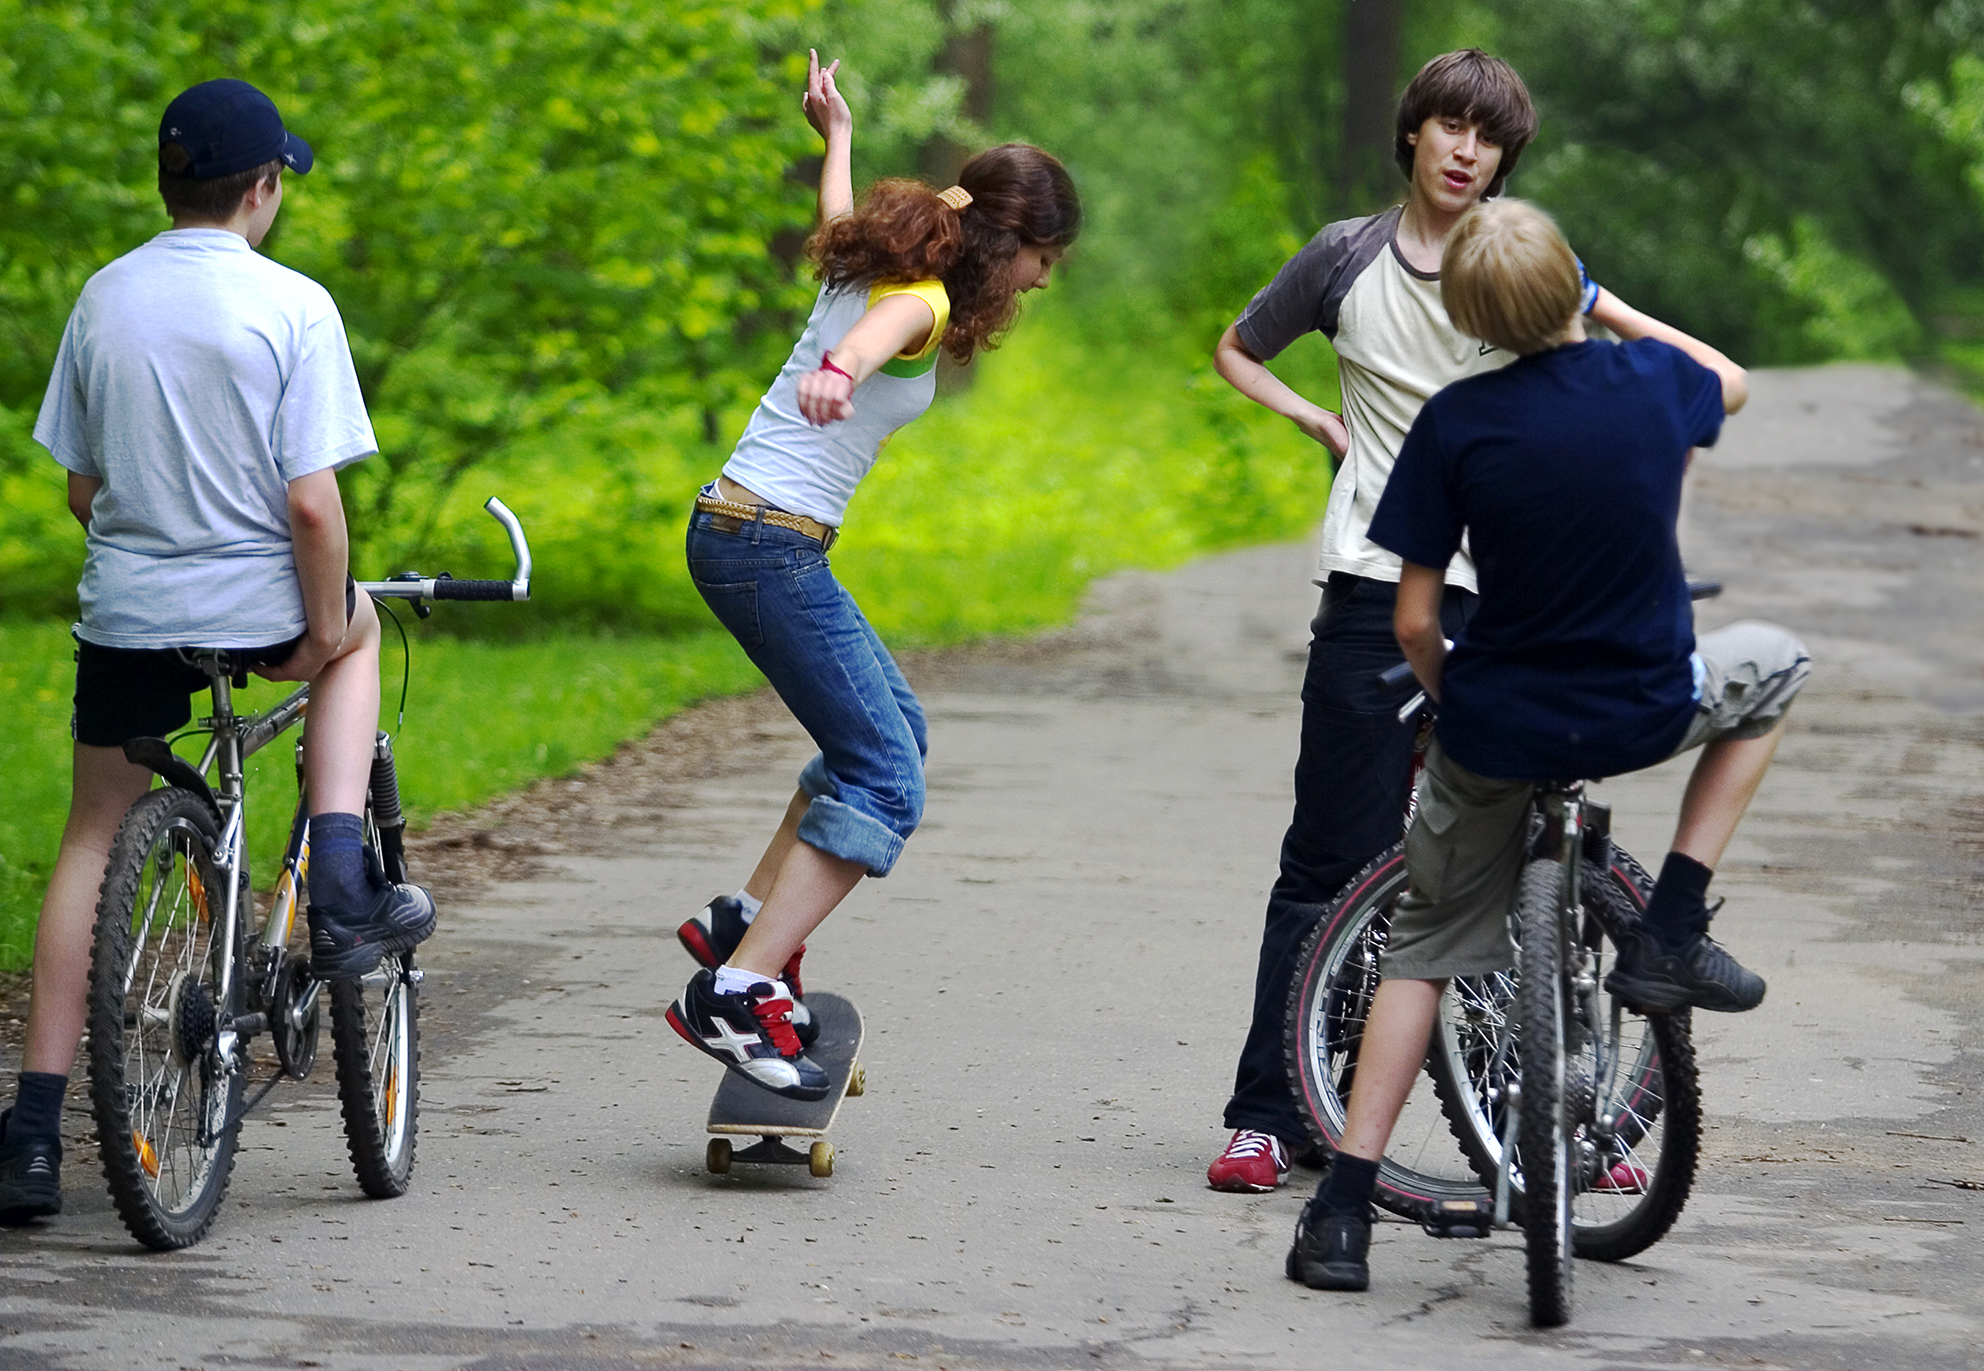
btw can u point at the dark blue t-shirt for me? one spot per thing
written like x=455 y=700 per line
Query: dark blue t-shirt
x=1564 y=469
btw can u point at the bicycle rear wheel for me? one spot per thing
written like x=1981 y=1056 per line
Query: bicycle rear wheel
x=1544 y=1124
x=1637 y=1145
x=167 y=1108
x=1336 y=974
x=375 y=1025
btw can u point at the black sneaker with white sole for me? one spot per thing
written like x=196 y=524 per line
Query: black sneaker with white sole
x=30 y=1176
x=712 y=937
x=351 y=942
x=1698 y=975
x=1330 y=1251
x=751 y=1033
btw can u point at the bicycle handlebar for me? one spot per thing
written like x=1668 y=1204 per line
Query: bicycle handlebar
x=411 y=585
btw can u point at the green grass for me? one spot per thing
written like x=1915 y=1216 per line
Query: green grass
x=482 y=719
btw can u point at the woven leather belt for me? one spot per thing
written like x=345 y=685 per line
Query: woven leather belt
x=825 y=534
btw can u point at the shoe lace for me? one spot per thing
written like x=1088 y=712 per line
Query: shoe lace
x=1248 y=1143
x=775 y=1016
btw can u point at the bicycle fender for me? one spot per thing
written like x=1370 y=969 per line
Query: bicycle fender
x=154 y=754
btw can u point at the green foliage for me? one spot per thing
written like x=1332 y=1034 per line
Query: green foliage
x=1066 y=461
x=1750 y=169
x=540 y=218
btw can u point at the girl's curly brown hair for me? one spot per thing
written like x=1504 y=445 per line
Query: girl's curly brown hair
x=902 y=231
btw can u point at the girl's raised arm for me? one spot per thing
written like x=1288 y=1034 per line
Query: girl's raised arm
x=828 y=113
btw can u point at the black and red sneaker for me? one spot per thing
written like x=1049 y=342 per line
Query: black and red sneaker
x=751 y=1033
x=712 y=942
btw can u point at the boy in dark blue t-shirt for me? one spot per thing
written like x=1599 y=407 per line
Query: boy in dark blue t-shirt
x=1563 y=471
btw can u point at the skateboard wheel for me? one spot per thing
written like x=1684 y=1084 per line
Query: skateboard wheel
x=857 y=1080
x=820 y=1160
x=718 y=1156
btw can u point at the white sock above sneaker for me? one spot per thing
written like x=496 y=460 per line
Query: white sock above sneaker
x=732 y=980
x=751 y=906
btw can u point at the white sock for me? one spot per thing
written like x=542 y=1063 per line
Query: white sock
x=751 y=906
x=732 y=980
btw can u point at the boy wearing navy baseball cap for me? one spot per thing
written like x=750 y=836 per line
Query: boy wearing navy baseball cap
x=202 y=401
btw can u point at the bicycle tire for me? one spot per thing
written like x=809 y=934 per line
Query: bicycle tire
x=1638 y=1170
x=1330 y=991
x=375 y=1048
x=167 y=1112
x=1543 y=1126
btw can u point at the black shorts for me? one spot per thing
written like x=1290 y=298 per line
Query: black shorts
x=147 y=692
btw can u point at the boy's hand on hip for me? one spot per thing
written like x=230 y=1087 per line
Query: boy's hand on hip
x=1327 y=429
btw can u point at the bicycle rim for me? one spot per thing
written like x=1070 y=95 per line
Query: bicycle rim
x=167 y=1112
x=1543 y=1128
x=1336 y=974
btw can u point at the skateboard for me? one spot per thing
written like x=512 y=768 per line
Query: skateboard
x=743 y=1108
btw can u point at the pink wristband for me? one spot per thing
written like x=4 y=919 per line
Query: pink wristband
x=827 y=364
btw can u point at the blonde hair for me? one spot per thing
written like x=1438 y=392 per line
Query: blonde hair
x=1508 y=277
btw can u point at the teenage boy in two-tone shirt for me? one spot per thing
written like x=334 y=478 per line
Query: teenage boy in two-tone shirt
x=202 y=400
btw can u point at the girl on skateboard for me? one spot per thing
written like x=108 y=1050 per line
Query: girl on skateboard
x=908 y=270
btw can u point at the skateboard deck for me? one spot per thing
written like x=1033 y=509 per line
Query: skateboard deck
x=743 y=1108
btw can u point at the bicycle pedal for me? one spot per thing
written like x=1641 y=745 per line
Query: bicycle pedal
x=1460 y=1219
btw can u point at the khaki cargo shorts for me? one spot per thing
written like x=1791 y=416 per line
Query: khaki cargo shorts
x=1464 y=853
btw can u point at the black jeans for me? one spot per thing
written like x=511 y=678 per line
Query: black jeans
x=1351 y=779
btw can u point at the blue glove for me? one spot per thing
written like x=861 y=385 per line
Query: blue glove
x=1587 y=288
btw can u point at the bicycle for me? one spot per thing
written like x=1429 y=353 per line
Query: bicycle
x=180 y=985
x=1635 y=1112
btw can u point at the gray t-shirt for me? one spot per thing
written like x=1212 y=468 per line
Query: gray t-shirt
x=1395 y=347
x=196 y=379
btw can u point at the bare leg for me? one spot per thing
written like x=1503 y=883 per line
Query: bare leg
x=810 y=883
x=105 y=786
x=1725 y=780
x=1393 y=1050
x=759 y=887
x=344 y=719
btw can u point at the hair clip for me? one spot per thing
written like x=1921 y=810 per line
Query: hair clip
x=957 y=197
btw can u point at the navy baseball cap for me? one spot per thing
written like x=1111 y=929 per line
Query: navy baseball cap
x=229 y=126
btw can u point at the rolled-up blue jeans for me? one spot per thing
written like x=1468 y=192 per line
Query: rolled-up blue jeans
x=773 y=589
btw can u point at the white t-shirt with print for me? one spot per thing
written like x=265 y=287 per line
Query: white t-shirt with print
x=196 y=379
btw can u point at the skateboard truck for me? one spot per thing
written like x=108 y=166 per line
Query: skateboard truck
x=1459 y=1219
x=819 y=1158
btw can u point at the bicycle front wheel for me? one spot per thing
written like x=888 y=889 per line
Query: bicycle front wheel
x=1336 y=974
x=375 y=1043
x=1637 y=1142
x=167 y=1108
x=1544 y=1117
x=375 y=1024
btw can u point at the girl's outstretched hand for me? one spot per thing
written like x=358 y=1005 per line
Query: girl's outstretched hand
x=825 y=108
x=825 y=397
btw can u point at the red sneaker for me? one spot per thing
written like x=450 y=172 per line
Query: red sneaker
x=1252 y=1163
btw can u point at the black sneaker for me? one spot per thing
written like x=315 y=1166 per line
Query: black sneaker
x=751 y=1033
x=350 y=942
x=30 y=1177
x=1330 y=1252
x=712 y=943
x=1700 y=975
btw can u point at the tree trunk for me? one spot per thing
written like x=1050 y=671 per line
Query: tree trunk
x=967 y=54
x=1373 y=41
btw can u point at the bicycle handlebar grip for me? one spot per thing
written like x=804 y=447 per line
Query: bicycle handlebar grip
x=451 y=589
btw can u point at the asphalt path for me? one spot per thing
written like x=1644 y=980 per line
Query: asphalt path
x=1056 y=981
